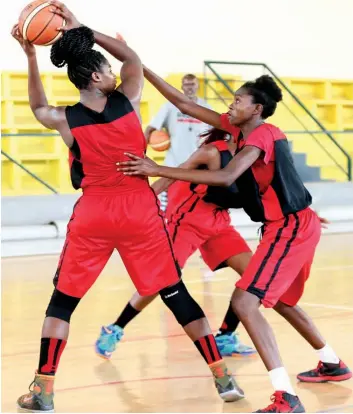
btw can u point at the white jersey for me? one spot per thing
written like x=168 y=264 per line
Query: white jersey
x=183 y=130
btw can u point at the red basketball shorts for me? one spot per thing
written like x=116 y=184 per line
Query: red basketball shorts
x=207 y=229
x=130 y=223
x=282 y=261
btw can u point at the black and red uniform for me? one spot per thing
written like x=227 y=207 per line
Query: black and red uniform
x=198 y=218
x=273 y=193
x=115 y=211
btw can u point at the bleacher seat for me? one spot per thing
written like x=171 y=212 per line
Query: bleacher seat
x=330 y=100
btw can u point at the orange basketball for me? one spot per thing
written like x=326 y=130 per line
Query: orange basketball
x=159 y=140
x=38 y=24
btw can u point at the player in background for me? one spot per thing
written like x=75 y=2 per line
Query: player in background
x=183 y=130
x=98 y=130
x=197 y=218
x=272 y=193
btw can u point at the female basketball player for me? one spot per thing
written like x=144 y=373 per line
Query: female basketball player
x=197 y=218
x=98 y=130
x=272 y=193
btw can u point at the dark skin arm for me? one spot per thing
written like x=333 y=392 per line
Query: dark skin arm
x=54 y=117
x=131 y=72
x=223 y=178
x=50 y=116
x=206 y=155
x=183 y=103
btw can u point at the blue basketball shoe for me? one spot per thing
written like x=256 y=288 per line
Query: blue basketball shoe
x=106 y=344
x=229 y=344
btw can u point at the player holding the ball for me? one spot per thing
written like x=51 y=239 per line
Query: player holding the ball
x=98 y=130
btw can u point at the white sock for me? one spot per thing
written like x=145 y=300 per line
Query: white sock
x=327 y=354
x=280 y=380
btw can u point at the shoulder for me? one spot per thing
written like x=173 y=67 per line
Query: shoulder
x=209 y=150
x=272 y=130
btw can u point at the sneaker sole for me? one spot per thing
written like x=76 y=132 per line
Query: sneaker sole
x=26 y=410
x=231 y=396
x=336 y=378
x=103 y=357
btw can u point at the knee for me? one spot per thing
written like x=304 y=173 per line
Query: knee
x=61 y=306
x=181 y=303
x=283 y=309
x=244 y=303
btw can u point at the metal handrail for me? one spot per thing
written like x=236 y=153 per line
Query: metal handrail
x=52 y=189
x=208 y=64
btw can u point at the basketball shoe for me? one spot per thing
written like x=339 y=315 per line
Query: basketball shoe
x=283 y=402
x=325 y=372
x=229 y=344
x=40 y=398
x=226 y=385
x=106 y=343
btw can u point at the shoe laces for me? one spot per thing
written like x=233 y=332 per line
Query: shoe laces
x=319 y=367
x=30 y=388
x=276 y=398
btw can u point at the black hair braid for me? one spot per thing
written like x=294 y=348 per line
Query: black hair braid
x=75 y=49
x=266 y=92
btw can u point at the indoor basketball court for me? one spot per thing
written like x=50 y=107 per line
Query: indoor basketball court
x=156 y=368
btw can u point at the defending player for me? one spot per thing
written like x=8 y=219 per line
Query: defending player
x=272 y=193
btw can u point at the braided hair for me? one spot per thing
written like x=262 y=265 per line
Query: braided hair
x=75 y=49
x=266 y=92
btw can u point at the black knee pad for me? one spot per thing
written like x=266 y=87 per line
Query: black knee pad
x=179 y=301
x=61 y=306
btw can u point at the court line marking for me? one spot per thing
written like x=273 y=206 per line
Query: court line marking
x=185 y=377
x=313 y=305
x=143 y=338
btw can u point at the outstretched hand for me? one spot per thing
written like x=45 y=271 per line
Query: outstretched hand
x=138 y=166
x=27 y=47
x=70 y=19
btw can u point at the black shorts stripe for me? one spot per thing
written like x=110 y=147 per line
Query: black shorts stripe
x=57 y=273
x=285 y=252
x=193 y=205
x=167 y=234
x=180 y=206
x=252 y=288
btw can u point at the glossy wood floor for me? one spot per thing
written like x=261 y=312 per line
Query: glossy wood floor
x=156 y=368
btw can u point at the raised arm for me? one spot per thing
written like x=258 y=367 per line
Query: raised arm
x=224 y=177
x=50 y=116
x=131 y=72
x=182 y=102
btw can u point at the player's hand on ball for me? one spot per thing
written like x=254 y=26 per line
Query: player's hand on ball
x=70 y=19
x=138 y=166
x=28 y=48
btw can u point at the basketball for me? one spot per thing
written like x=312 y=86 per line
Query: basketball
x=39 y=25
x=159 y=141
